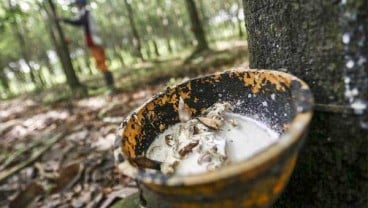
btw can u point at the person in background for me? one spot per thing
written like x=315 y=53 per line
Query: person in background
x=92 y=39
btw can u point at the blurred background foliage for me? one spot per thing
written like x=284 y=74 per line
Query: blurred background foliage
x=28 y=45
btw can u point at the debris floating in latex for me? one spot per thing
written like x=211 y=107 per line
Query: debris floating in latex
x=212 y=140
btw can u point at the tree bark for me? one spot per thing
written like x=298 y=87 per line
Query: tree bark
x=136 y=37
x=41 y=78
x=63 y=52
x=48 y=64
x=155 y=48
x=169 y=46
x=239 y=21
x=197 y=27
x=4 y=80
x=304 y=37
x=205 y=18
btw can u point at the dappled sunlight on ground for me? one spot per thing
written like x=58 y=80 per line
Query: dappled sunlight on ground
x=223 y=45
x=94 y=103
x=15 y=107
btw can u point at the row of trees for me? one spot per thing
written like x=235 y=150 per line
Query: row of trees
x=36 y=51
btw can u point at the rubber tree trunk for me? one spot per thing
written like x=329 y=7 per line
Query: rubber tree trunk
x=305 y=37
x=155 y=48
x=63 y=53
x=136 y=37
x=48 y=64
x=239 y=21
x=41 y=77
x=4 y=80
x=205 y=18
x=197 y=27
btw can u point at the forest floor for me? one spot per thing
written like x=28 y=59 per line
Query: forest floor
x=57 y=152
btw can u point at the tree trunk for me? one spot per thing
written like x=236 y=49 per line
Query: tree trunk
x=304 y=37
x=32 y=75
x=4 y=80
x=63 y=53
x=155 y=47
x=240 y=25
x=136 y=38
x=48 y=64
x=169 y=46
x=41 y=78
x=148 y=51
x=239 y=21
x=196 y=26
x=205 y=18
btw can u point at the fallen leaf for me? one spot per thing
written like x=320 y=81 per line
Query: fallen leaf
x=25 y=197
x=210 y=123
x=69 y=175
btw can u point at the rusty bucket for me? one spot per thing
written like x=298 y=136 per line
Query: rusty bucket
x=254 y=182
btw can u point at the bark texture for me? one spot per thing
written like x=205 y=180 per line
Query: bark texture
x=196 y=25
x=58 y=38
x=4 y=80
x=304 y=37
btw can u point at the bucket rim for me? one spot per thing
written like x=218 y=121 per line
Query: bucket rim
x=293 y=134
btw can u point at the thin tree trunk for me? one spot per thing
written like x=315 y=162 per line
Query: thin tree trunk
x=196 y=26
x=305 y=37
x=240 y=25
x=136 y=38
x=4 y=80
x=48 y=64
x=155 y=47
x=148 y=51
x=169 y=46
x=64 y=54
x=205 y=18
x=41 y=78
x=32 y=75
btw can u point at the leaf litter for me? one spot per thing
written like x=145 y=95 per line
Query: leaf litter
x=77 y=170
